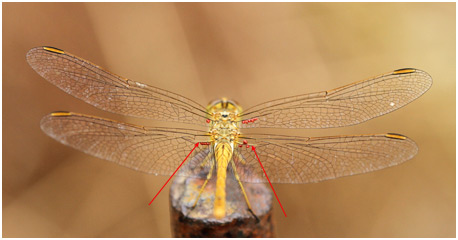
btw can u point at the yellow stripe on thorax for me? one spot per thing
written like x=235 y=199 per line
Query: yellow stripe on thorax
x=223 y=154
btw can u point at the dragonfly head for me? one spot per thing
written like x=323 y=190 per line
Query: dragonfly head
x=224 y=109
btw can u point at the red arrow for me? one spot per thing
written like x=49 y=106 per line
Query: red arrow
x=254 y=149
x=197 y=144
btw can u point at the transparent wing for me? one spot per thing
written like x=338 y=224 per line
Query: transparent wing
x=289 y=159
x=110 y=92
x=344 y=106
x=150 y=150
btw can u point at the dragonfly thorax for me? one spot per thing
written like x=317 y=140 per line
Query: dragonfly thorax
x=224 y=121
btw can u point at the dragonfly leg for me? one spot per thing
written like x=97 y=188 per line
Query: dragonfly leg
x=240 y=157
x=209 y=175
x=243 y=191
x=205 y=161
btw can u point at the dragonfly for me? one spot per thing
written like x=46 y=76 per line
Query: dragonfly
x=222 y=128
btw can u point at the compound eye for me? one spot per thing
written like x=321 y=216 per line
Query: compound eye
x=224 y=115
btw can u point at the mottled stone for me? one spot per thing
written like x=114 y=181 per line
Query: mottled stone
x=238 y=222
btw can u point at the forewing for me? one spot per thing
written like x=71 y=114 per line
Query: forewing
x=289 y=159
x=150 y=150
x=110 y=92
x=344 y=106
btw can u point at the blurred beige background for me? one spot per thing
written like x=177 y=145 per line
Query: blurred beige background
x=248 y=52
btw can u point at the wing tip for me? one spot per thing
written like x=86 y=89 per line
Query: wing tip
x=46 y=48
x=402 y=71
x=47 y=118
x=400 y=137
x=35 y=53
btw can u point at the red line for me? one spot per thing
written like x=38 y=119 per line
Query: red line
x=254 y=149
x=197 y=144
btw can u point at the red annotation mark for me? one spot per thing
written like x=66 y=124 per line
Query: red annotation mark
x=254 y=149
x=249 y=120
x=245 y=143
x=195 y=146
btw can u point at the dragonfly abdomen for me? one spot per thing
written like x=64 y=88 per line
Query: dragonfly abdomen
x=223 y=154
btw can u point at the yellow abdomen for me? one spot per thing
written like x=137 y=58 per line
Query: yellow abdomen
x=223 y=154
